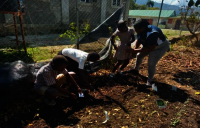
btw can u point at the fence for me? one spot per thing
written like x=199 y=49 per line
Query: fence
x=43 y=27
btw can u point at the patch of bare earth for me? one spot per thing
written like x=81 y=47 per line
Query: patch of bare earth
x=129 y=103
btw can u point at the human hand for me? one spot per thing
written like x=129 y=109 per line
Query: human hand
x=79 y=90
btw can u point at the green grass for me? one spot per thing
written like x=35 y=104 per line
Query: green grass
x=35 y=54
x=171 y=33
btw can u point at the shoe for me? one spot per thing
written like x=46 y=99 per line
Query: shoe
x=111 y=76
x=51 y=103
x=133 y=71
x=148 y=83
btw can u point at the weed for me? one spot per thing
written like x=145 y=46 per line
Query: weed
x=175 y=122
x=153 y=112
x=135 y=125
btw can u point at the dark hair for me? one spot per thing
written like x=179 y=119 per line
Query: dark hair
x=121 y=24
x=59 y=60
x=142 y=23
x=93 y=56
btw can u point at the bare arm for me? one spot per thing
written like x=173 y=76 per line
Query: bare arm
x=72 y=95
x=147 y=49
x=71 y=79
x=132 y=39
x=112 y=39
x=137 y=44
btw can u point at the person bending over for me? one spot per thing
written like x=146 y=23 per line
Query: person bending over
x=154 y=44
x=76 y=61
x=51 y=80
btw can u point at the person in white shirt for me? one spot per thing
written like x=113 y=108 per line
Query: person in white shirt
x=76 y=61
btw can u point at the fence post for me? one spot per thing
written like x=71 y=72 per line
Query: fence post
x=77 y=24
x=16 y=31
x=21 y=25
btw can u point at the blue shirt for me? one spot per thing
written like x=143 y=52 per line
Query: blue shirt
x=153 y=36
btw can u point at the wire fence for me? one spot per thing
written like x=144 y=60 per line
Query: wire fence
x=35 y=30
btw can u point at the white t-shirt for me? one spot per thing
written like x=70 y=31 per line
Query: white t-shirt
x=77 y=55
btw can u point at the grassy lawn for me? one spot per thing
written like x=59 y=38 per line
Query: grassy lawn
x=171 y=33
x=36 y=54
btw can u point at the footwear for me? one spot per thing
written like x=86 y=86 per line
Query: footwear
x=134 y=72
x=111 y=75
x=148 y=83
x=51 y=103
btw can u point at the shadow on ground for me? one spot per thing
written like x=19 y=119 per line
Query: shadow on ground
x=190 y=78
x=165 y=91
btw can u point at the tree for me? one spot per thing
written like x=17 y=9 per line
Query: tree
x=150 y=3
x=133 y=5
x=153 y=8
x=190 y=17
x=142 y=7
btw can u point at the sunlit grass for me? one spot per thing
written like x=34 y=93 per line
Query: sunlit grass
x=35 y=54
x=171 y=33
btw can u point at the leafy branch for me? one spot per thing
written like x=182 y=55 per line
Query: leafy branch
x=74 y=32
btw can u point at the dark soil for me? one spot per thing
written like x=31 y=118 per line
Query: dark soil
x=129 y=102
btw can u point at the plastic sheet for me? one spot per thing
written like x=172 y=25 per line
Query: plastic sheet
x=107 y=117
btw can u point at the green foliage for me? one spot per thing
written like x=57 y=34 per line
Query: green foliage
x=110 y=30
x=197 y=3
x=148 y=6
x=11 y=55
x=150 y=3
x=190 y=3
x=153 y=8
x=174 y=122
x=166 y=35
x=72 y=34
x=190 y=16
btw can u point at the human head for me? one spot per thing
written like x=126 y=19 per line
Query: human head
x=141 y=26
x=121 y=25
x=93 y=56
x=59 y=63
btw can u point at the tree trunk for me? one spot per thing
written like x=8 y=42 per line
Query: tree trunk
x=193 y=33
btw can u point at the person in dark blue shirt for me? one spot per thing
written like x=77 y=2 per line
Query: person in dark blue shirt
x=154 y=44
